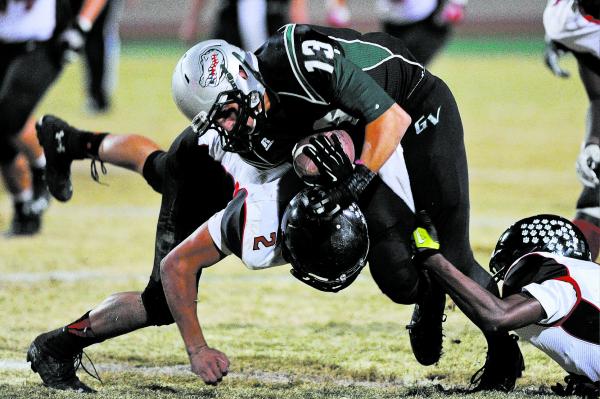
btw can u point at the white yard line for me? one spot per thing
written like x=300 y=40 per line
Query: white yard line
x=7 y=365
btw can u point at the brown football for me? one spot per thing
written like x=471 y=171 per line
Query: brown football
x=305 y=168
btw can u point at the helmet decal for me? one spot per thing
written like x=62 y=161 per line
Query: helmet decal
x=212 y=64
x=554 y=235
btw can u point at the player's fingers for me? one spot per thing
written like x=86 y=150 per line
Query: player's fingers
x=223 y=364
x=311 y=152
x=322 y=144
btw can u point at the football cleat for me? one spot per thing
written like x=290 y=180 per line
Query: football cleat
x=425 y=328
x=502 y=367
x=26 y=221
x=53 y=134
x=56 y=373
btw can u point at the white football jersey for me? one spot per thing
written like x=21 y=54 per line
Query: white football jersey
x=569 y=291
x=565 y=24
x=249 y=226
x=405 y=11
x=23 y=21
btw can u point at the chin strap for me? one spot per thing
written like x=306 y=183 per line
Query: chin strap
x=324 y=285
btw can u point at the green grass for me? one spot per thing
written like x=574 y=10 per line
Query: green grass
x=285 y=340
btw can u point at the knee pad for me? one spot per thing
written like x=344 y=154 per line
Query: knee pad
x=155 y=303
x=154 y=170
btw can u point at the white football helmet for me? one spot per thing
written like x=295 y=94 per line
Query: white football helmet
x=211 y=75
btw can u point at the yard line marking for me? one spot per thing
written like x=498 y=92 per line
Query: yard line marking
x=263 y=376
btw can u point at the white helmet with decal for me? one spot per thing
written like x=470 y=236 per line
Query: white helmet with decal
x=214 y=73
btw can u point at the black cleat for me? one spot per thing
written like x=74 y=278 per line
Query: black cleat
x=53 y=134
x=26 y=221
x=425 y=328
x=502 y=367
x=56 y=373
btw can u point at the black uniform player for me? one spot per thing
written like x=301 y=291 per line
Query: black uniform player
x=425 y=26
x=308 y=78
x=243 y=23
x=35 y=36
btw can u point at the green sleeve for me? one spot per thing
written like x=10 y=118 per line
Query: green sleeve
x=357 y=93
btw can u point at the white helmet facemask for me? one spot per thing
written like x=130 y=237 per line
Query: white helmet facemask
x=214 y=80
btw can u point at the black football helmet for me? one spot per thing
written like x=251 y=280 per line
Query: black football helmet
x=326 y=251
x=590 y=9
x=543 y=233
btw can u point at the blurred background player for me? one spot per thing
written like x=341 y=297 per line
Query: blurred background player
x=35 y=38
x=101 y=56
x=423 y=25
x=338 y=14
x=574 y=26
x=244 y=23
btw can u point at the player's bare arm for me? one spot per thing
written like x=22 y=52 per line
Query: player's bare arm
x=178 y=273
x=383 y=135
x=487 y=311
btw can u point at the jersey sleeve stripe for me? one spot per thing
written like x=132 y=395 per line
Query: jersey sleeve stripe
x=313 y=96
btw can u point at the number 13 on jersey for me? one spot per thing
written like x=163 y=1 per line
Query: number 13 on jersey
x=312 y=48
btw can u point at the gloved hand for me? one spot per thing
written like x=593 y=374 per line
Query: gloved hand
x=452 y=13
x=587 y=165
x=72 y=40
x=328 y=155
x=552 y=56
x=425 y=238
x=344 y=193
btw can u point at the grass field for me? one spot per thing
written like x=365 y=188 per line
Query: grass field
x=523 y=129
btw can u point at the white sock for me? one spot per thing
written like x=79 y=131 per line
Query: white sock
x=40 y=162
x=23 y=196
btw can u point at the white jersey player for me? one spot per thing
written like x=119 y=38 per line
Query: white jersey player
x=574 y=26
x=551 y=293
x=249 y=226
x=423 y=25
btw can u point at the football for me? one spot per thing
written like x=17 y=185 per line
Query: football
x=305 y=168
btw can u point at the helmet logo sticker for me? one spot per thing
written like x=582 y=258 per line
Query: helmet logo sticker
x=211 y=64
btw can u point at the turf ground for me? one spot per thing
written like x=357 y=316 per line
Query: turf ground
x=285 y=340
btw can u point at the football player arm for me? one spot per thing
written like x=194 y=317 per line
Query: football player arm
x=383 y=135
x=178 y=272
x=386 y=122
x=487 y=311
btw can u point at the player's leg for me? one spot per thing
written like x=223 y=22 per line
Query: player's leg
x=26 y=75
x=391 y=223
x=52 y=354
x=185 y=206
x=64 y=143
x=30 y=147
x=17 y=179
x=95 y=57
x=450 y=214
x=587 y=217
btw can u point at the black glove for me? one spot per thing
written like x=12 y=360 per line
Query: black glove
x=328 y=155
x=344 y=193
x=552 y=56
x=72 y=40
x=425 y=238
